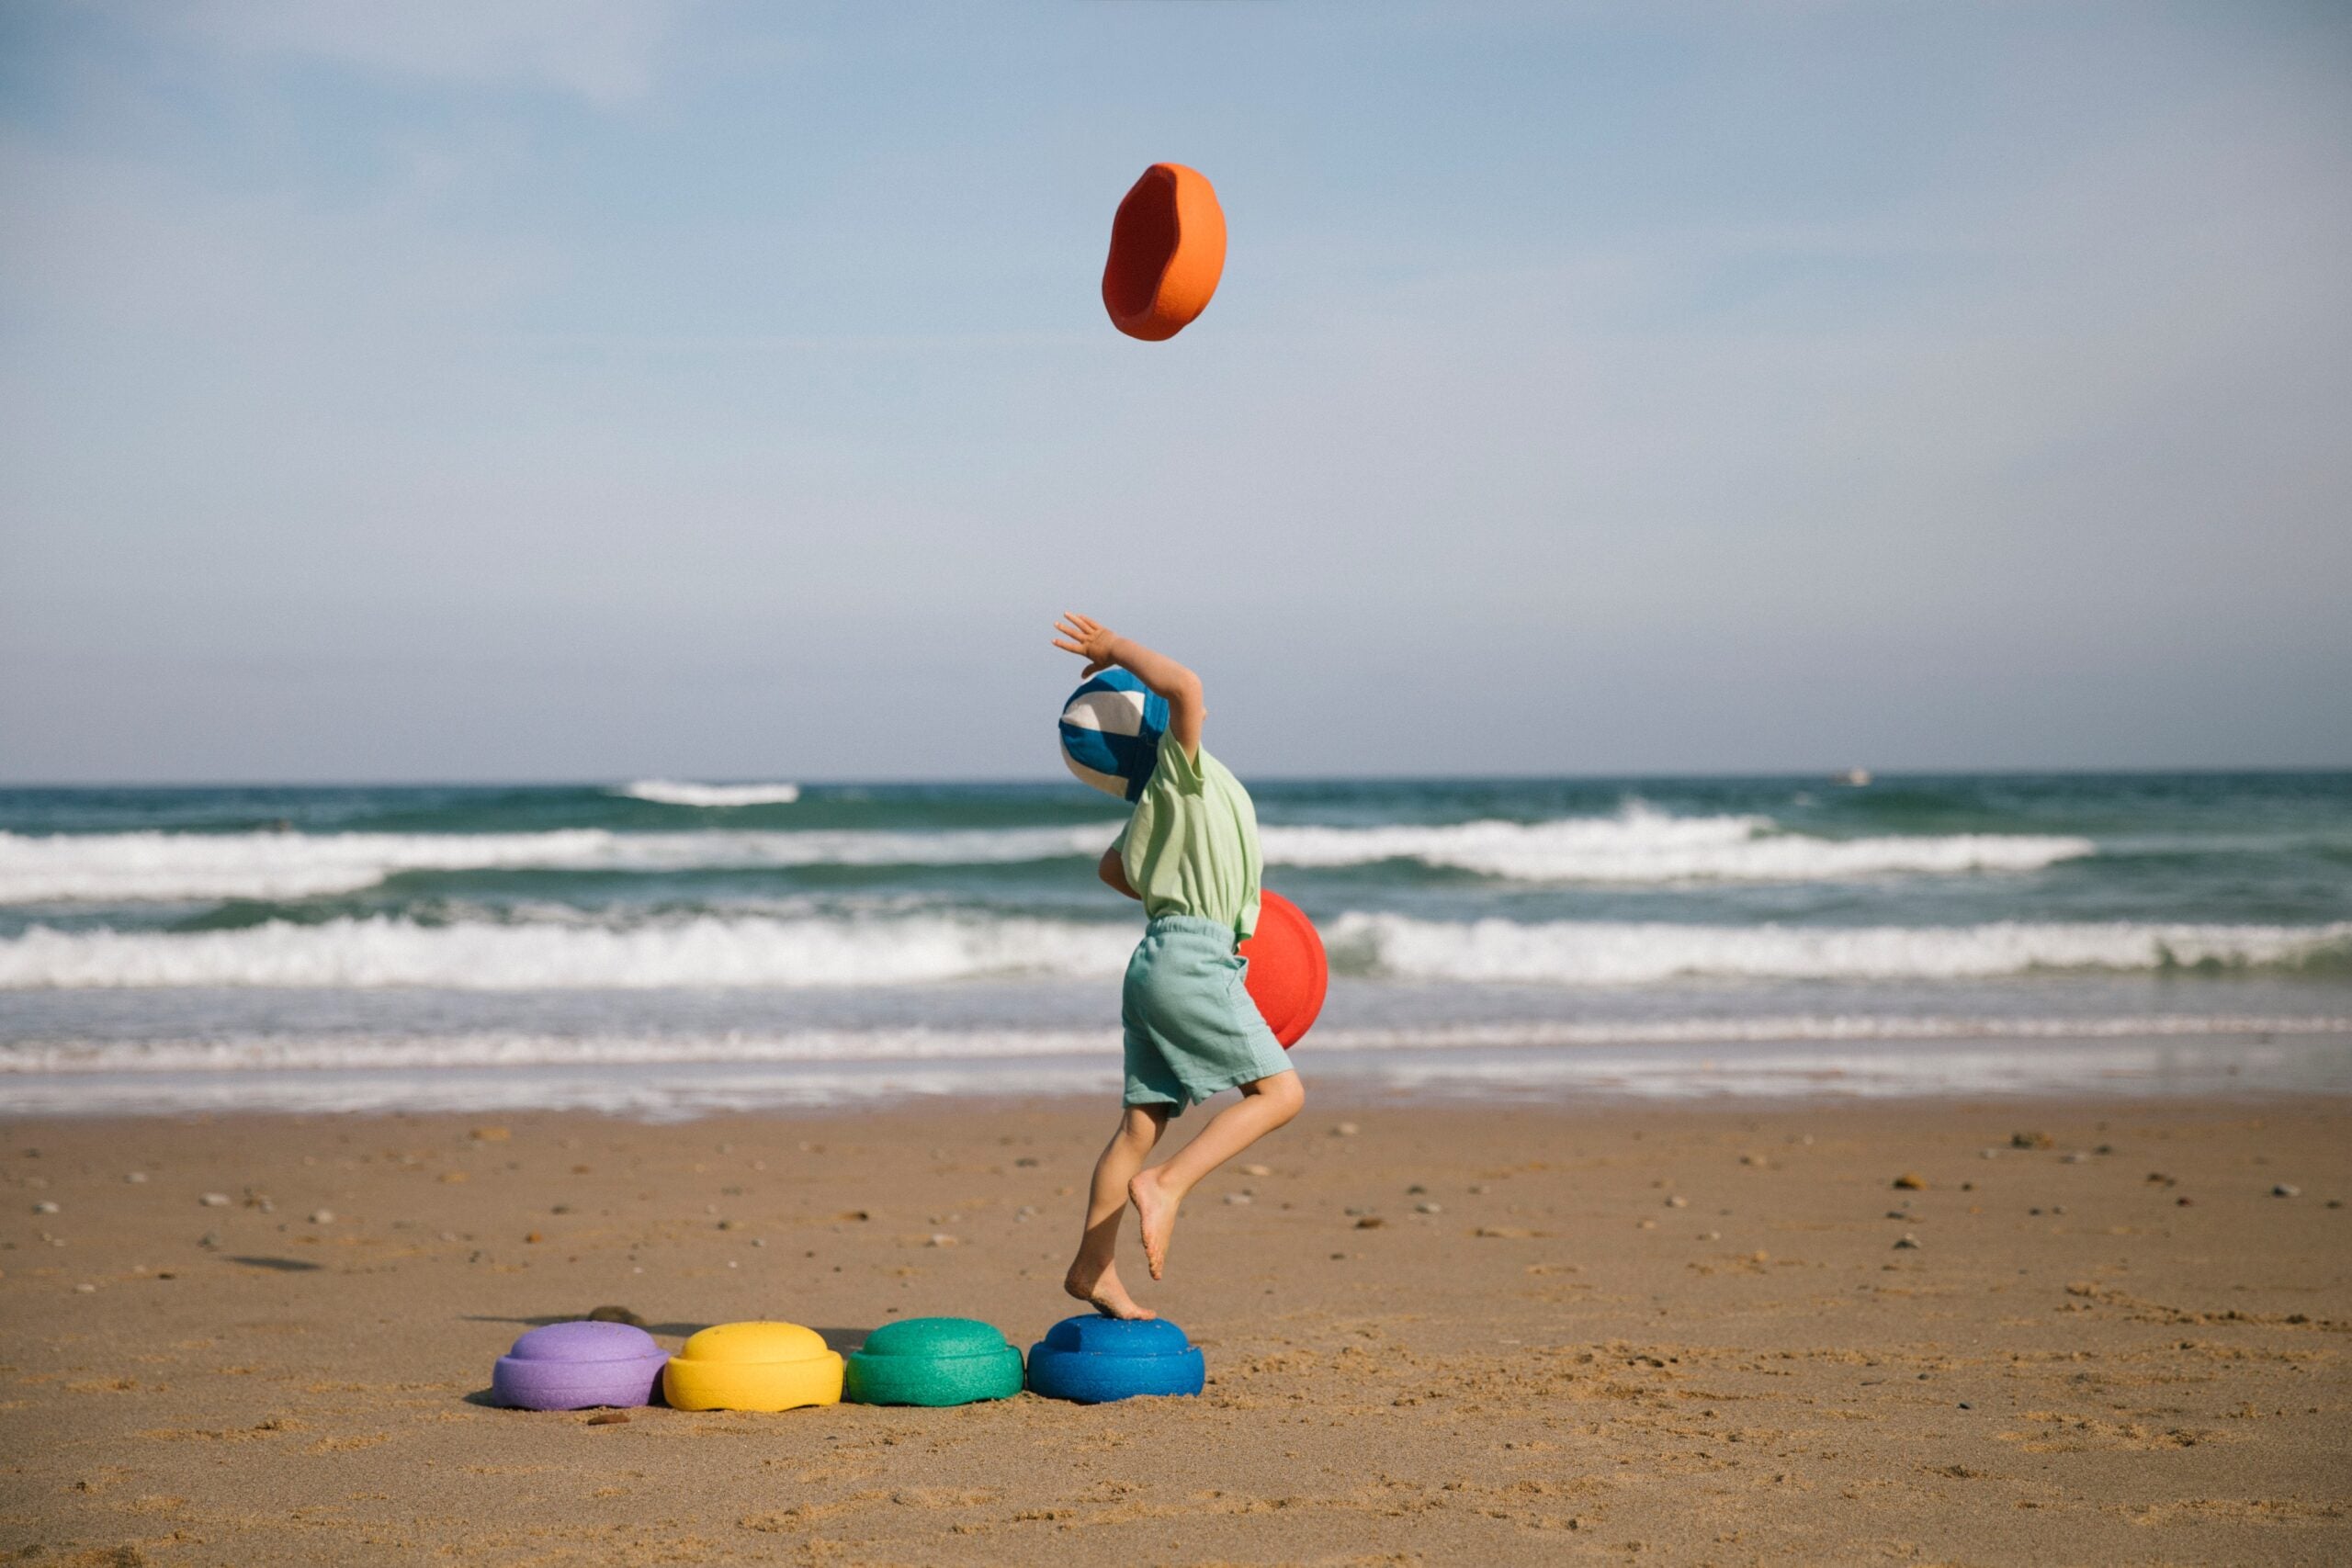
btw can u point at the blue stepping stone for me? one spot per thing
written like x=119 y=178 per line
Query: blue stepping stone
x=1096 y=1360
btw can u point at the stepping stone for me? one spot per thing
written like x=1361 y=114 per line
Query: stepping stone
x=1094 y=1359
x=573 y=1366
x=933 y=1360
x=754 y=1366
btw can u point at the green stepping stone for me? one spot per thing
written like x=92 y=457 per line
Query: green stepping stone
x=933 y=1360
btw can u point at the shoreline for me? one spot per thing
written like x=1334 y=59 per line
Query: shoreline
x=1534 y=1352
x=638 y=1080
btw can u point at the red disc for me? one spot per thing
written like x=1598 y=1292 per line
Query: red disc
x=1287 y=974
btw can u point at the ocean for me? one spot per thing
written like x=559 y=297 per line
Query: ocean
x=661 y=948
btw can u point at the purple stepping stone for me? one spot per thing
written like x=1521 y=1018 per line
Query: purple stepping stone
x=570 y=1365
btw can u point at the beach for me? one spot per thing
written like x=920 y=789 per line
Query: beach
x=1962 y=1331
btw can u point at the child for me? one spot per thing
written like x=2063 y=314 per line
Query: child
x=1190 y=852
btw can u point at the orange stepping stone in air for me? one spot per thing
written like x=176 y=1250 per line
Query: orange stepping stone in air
x=1167 y=253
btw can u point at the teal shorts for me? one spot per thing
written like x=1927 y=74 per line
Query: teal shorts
x=1192 y=1030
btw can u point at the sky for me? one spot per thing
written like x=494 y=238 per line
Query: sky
x=579 y=390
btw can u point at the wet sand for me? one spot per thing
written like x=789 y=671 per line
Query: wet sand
x=1459 y=1336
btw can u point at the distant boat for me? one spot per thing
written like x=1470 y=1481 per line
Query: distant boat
x=1857 y=778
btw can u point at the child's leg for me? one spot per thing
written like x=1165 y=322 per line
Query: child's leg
x=1093 y=1278
x=1265 y=1105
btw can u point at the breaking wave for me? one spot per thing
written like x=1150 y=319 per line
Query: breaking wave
x=704 y=952
x=670 y=791
x=1600 y=952
x=1642 y=845
x=122 y=867
x=1635 y=847
x=774 y=951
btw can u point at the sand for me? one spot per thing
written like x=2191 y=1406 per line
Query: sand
x=1453 y=1335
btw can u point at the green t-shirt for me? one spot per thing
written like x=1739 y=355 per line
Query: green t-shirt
x=1191 y=848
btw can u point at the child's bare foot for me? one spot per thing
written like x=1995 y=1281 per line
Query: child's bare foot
x=1156 y=1212
x=1103 y=1292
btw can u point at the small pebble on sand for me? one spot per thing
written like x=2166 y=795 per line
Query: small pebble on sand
x=1346 y=1129
x=1256 y=1170
x=85 y=1290
x=1907 y=1243
x=1237 y=1198
x=2286 y=1189
x=214 y=1200
x=135 y=1178
x=1429 y=1208
x=1711 y=1236
x=1370 y=1222
x=1678 y=1202
x=2029 y=1140
x=323 y=1216
x=44 y=1207
x=1911 y=1182
x=939 y=1238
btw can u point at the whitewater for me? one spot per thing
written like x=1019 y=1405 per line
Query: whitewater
x=1633 y=846
x=662 y=946
x=762 y=952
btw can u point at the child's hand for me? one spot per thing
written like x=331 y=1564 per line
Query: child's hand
x=1088 y=639
x=1179 y=687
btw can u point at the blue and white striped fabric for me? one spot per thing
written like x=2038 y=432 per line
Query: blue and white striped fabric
x=1111 y=730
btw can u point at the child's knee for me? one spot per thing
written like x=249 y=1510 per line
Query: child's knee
x=1283 y=1094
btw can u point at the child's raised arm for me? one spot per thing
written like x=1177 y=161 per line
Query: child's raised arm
x=1102 y=648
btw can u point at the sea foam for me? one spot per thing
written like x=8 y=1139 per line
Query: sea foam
x=1606 y=952
x=129 y=867
x=1632 y=847
x=671 y=792
x=309 y=1052
x=771 y=952
x=1642 y=845
x=703 y=952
